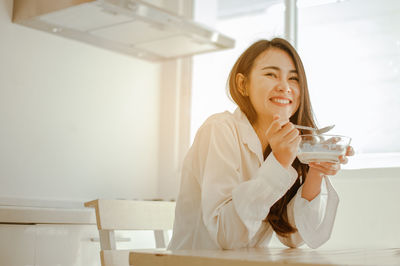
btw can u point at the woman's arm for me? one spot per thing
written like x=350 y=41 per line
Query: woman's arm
x=306 y=216
x=305 y=212
x=314 y=219
x=314 y=214
x=233 y=209
x=312 y=184
x=293 y=240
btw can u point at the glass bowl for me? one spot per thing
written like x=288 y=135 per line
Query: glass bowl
x=322 y=148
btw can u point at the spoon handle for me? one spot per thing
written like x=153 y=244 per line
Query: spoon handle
x=325 y=129
x=304 y=127
x=315 y=130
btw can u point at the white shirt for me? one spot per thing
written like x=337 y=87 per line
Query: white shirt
x=227 y=190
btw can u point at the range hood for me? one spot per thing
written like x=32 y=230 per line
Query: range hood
x=131 y=27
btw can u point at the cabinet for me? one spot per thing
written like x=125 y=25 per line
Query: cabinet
x=17 y=245
x=57 y=236
x=47 y=236
x=49 y=245
x=72 y=245
x=61 y=244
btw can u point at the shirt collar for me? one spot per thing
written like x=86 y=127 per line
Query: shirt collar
x=248 y=135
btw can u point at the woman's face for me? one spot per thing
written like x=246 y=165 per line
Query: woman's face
x=273 y=85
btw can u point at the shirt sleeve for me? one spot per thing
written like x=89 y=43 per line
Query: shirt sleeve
x=295 y=240
x=313 y=219
x=233 y=209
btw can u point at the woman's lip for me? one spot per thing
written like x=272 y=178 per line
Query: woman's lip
x=280 y=100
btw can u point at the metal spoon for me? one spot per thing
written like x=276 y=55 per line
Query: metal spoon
x=316 y=130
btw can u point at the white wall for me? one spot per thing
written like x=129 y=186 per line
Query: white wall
x=368 y=214
x=76 y=122
x=369 y=209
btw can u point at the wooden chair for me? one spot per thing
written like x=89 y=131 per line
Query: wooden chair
x=130 y=215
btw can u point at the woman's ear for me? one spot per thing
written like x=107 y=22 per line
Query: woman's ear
x=241 y=84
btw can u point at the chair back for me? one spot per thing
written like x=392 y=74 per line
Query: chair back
x=114 y=215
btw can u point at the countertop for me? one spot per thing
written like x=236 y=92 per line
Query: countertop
x=45 y=211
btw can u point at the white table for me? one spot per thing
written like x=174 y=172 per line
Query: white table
x=266 y=256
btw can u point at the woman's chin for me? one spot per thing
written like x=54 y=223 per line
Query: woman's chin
x=284 y=113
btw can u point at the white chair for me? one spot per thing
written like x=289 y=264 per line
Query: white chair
x=130 y=215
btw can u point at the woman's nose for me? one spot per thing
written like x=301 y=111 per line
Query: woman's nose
x=284 y=87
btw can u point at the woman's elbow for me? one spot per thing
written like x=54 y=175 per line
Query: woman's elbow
x=227 y=245
x=293 y=244
x=293 y=240
x=232 y=240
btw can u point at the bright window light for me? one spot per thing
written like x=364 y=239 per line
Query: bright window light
x=351 y=53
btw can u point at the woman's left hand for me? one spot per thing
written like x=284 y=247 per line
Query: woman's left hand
x=326 y=168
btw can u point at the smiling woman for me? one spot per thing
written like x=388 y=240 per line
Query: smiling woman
x=241 y=180
x=350 y=53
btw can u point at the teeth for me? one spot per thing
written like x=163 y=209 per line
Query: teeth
x=282 y=101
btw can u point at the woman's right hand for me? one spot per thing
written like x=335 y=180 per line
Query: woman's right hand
x=284 y=140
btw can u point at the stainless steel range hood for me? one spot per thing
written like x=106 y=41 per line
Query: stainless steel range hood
x=131 y=27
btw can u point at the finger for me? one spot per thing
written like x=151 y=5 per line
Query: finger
x=328 y=166
x=317 y=167
x=292 y=135
x=282 y=119
x=332 y=170
x=325 y=164
x=296 y=141
x=326 y=171
x=336 y=167
x=274 y=127
x=350 y=151
x=275 y=120
x=332 y=140
x=287 y=129
x=343 y=159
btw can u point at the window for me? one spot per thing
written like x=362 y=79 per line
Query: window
x=351 y=53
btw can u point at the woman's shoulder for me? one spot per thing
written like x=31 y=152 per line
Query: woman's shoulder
x=222 y=120
x=220 y=129
x=224 y=127
x=220 y=117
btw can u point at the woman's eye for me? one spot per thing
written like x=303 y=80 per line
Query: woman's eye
x=294 y=78
x=271 y=75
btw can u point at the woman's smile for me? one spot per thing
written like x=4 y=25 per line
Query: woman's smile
x=280 y=101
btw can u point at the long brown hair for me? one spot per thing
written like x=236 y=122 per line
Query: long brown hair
x=277 y=215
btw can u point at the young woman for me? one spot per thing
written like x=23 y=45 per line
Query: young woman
x=241 y=180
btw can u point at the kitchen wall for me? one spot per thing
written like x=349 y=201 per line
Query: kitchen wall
x=76 y=122
x=369 y=212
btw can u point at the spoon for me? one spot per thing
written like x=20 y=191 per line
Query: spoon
x=315 y=130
